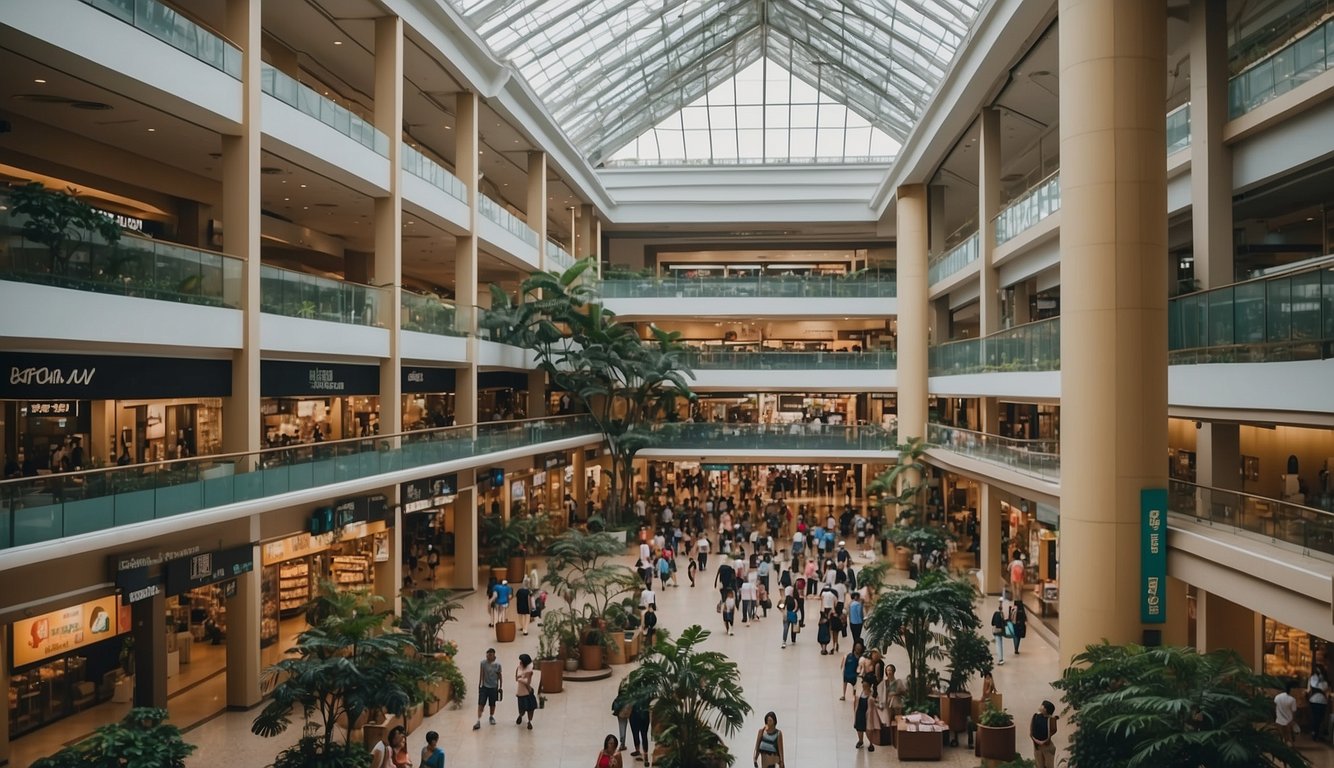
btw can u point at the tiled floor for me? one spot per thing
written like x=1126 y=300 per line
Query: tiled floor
x=797 y=683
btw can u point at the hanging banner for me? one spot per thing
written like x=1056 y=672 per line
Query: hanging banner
x=1153 y=555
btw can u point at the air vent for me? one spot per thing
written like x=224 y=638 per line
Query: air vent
x=43 y=98
x=92 y=106
x=268 y=170
x=326 y=205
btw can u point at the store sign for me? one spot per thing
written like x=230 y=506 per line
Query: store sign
x=1153 y=555
x=132 y=562
x=304 y=544
x=552 y=461
x=38 y=376
x=62 y=631
x=53 y=408
x=429 y=493
x=283 y=378
x=1048 y=515
x=206 y=568
x=137 y=584
x=421 y=380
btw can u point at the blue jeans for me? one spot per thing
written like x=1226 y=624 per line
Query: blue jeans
x=1000 y=647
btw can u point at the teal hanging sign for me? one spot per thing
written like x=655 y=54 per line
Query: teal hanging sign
x=1153 y=555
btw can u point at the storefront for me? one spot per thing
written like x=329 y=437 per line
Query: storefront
x=303 y=402
x=1290 y=652
x=342 y=544
x=66 y=411
x=428 y=397
x=1031 y=532
x=552 y=478
x=502 y=395
x=430 y=525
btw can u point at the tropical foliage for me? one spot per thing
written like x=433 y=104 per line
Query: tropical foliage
x=143 y=739
x=694 y=696
x=60 y=221
x=347 y=664
x=425 y=614
x=903 y=486
x=1169 y=707
x=923 y=618
x=969 y=654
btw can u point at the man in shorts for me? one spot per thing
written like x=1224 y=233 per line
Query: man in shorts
x=488 y=687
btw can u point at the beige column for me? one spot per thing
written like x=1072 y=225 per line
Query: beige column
x=912 y=371
x=991 y=557
x=1176 y=630
x=1223 y=625
x=241 y=428
x=988 y=205
x=1023 y=312
x=104 y=447
x=936 y=218
x=465 y=532
x=586 y=237
x=388 y=261
x=466 y=144
x=940 y=320
x=243 y=625
x=579 y=489
x=1210 y=157
x=1114 y=324
x=537 y=394
x=389 y=574
x=537 y=203
x=1218 y=455
x=989 y=415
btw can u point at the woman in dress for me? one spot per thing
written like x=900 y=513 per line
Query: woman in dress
x=769 y=743
x=527 y=697
x=822 y=633
x=851 y=664
x=609 y=756
x=865 y=703
x=1019 y=617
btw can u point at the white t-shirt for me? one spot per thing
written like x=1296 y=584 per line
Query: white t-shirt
x=646 y=597
x=827 y=599
x=798 y=538
x=1320 y=688
x=644 y=553
x=1285 y=707
x=747 y=590
x=702 y=546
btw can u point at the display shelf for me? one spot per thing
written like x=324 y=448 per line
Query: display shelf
x=350 y=571
x=268 y=606
x=293 y=586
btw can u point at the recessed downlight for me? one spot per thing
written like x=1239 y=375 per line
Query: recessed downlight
x=338 y=42
x=39 y=81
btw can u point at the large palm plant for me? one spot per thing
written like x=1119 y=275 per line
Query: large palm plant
x=1137 y=707
x=692 y=695
x=922 y=618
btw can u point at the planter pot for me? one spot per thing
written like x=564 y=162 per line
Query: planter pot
x=519 y=567
x=617 y=654
x=361 y=721
x=572 y=664
x=505 y=631
x=590 y=658
x=443 y=692
x=902 y=558
x=980 y=705
x=995 y=743
x=413 y=717
x=374 y=732
x=955 y=709
x=553 y=675
x=500 y=573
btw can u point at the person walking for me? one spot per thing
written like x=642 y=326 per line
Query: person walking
x=769 y=743
x=523 y=604
x=851 y=663
x=1040 y=729
x=650 y=623
x=747 y=601
x=789 y=607
x=1285 y=713
x=488 y=687
x=433 y=756
x=822 y=632
x=620 y=707
x=610 y=756
x=502 y=597
x=702 y=551
x=525 y=696
x=691 y=567
x=998 y=631
x=1317 y=699
x=865 y=703
x=856 y=617
x=639 y=721
x=729 y=611
x=1018 y=623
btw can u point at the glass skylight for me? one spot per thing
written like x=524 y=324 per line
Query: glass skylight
x=609 y=70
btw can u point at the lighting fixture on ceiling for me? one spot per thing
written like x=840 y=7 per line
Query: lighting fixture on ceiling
x=152 y=130
x=39 y=81
x=303 y=186
x=338 y=42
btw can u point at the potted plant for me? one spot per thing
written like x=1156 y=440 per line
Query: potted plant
x=591 y=649
x=969 y=654
x=549 y=662
x=995 y=735
x=424 y=615
x=142 y=737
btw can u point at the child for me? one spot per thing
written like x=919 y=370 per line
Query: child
x=729 y=611
x=690 y=570
x=432 y=755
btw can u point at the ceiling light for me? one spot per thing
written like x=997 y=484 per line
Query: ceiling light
x=285 y=199
x=152 y=130
x=303 y=186
x=338 y=42
x=305 y=207
x=39 y=81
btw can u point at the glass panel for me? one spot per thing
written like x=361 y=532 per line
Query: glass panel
x=1309 y=530
x=1221 y=329
x=1283 y=70
x=955 y=259
x=1305 y=306
x=421 y=166
x=1278 y=317
x=1040 y=458
x=295 y=294
x=428 y=314
x=283 y=87
x=494 y=211
x=782 y=360
x=1248 y=313
x=867 y=285
x=1178 y=129
x=1028 y=209
x=1030 y=347
x=175 y=30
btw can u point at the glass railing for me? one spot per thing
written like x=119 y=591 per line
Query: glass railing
x=423 y=167
x=1178 y=128
x=779 y=286
x=1310 y=528
x=296 y=294
x=1283 y=70
x=50 y=507
x=1029 y=347
x=1267 y=319
x=135 y=266
x=954 y=259
x=558 y=259
x=516 y=226
x=175 y=30
x=798 y=436
x=1039 y=458
x=1033 y=206
x=428 y=314
x=286 y=89
x=781 y=360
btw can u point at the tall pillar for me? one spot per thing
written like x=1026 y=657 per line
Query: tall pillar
x=1218 y=455
x=940 y=319
x=586 y=236
x=388 y=261
x=1210 y=158
x=465 y=532
x=1114 y=298
x=1223 y=625
x=988 y=205
x=991 y=558
x=1023 y=302
x=241 y=428
x=1176 y=631
x=389 y=574
x=936 y=218
x=466 y=144
x=537 y=394
x=149 y=618
x=537 y=203
x=989 y=416
x=243 y=625
x=912 y=338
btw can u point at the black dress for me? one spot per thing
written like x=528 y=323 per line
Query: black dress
x=859 y=720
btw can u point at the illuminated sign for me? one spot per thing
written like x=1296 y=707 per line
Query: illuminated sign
x=62 y=631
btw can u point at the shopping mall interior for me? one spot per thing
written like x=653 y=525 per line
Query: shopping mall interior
x=252 y=326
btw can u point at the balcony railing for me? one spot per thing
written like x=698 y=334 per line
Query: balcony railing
x=1029 y=347
x=1283 y=70
x=496 y=212
x=135 y=266
x=798 y=436
x=303 y=98
x=1309 y=528
x=50 y=507
x=1038 y=458
x=428 y=314
x=1266 y=319
x=1178 y=128
x=296 y=294
x=954 y=259
x=423 y=167
x=175 y=30
x=785 y=286
x=558 y=259
x=781 y=360
x=1033 y=206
